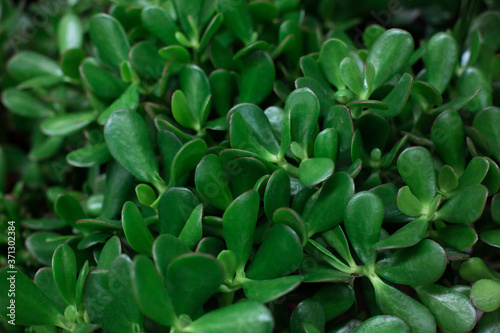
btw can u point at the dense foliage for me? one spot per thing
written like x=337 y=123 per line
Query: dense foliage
x=215 y=166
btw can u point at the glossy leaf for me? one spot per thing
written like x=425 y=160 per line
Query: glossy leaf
x=486 y=122
x=277 y=194
x=421 y=264
x=485 y=295
x=32 y=306
x=69 y=33
x=408 y=203
x=160 y=24
x=308 y=311
x=390 y=52
x=27 y=65
x=191 y=234
x=472 y=79
x=397 y=98
x=466 y=206
x=409 y=235
x=174 y=209
x=165 y=249
x=491 y=237
x=211 y=182
x=100 y=81
x=191 y=280
x=393 y=302
x=110 y=39
x=333 y=51
x=237 y=19
x=109 y=252
x=128 y=141
x=439 y=69
x=448 y=136
x=390 y=324
x=89 y=156
x=186 y=159
x=109 y=299
x=279 y=254
x=264 y=291
x=416 y=168
x=150 y=292
x=239 y=222
x=235 y=317
x=326 y=210
x=452 y=310
x=351 y=75
x=128 y=100
x=363 y=221
x=475 y=269
x=335 y=299
x=64 y=269
x=257 y=78
x=24 y=104
x=136 y=231
x=66 y=124
x=459 y=236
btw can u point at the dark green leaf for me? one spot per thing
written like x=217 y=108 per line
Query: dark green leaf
x=279 y=254
x=100 y=81
x=416 y=168
x=27 y=65
x=186 y=159
x=465 y=207
x=89 y=156
x=389 y=324
x=448 y=136
x=174 y=208
x=165 y=249
x=459 y=236
x=409 y=235
x=439 y=69
x=110 y=39
x=333 y=51
x=24 y=104
x=64 y=270
x=277 y=192
x=159 y=24
x=191 y=234
x=264 y=291
x=257 y=78
x=486 y=122
x=211 y=182
x=136 y=231
x=128 y=100
x=309 y=311
x=421 y=264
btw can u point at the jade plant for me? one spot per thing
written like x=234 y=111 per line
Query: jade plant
x=209 y=166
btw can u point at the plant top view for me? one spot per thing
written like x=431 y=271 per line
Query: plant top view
x=250 y=166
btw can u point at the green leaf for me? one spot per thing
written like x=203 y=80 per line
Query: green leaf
x=129 y=143
x=64 y=270
x=118 y=185
x=196 y=87
x=235 y=317
x=223 y=87
x=308 y=311
x=27 y=65
x=452 y=310
x=244 y=173
x=489 y=322
x=110 y=39
x=302 y=107
x=363 y=221
x=109 y=300
x=159 y=24
x=371 y=33
x=491 y=237
x=486 y=122
x=46 y=148
x=409 y=235
x=24 y=104
x=150 y=293
x=89 y=156
x=459 y=236
x=393 y=302
x=237 y=19
x=439 y=69
x=495 y=208
x=175 y=53
x=389 y=324
x=67 y=124
x=32 y=307
x=109 y=252
x=448 y=179
x=186 y=159
x=238 y=223
x=264 y=291
x=337 y=240
x=136 y=231
x=475 y=269
x=211 y=182
x=291 y=219
x=257 y=78
x=69 y=209
x=326 y=210
x=277 y=194
x=333 y=51
x=191 y=280
x=174 y=208
x=69 y=33
x=465 y=207
x=485 y=294
x=100 y=81
x=408 y=203
x=128 y=100
x=351 y=75
x=326 y=144
x=397 y=98
x=472 y=79
x=279 y=254
x=416 y=168
x=421 y=264
x=191 y=234
x=250 y=129
x=448 y=136
x=492 y=179
x=70 y=62
x=335 y=298
x=389 y=54
x=339 y=118
x=145 y=59
x=475 y=172
x=44 y=280
x=165 y=249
